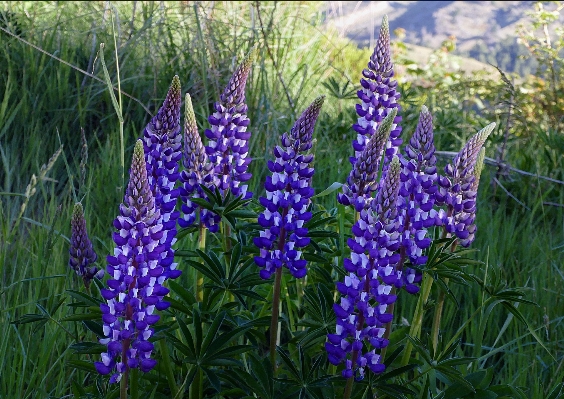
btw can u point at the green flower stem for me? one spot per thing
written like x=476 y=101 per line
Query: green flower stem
x=348 y=388
x=276 y=300
x=274 y=318
x=134 y=389
x=168 y=368
x=199 y=277
x=197 y=386
x=123 y=384
x=440 y=300
x=417 y=321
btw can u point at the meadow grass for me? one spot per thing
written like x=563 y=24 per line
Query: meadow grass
x=45 y=103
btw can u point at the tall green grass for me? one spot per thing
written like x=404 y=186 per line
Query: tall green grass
x=45 y=103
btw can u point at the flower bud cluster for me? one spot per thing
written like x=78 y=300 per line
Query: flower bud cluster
x=81 y=252
x=367 y=290
x=197 y=173
x=418 y=188
x=362 y=180
x=379 y=97
x=228 y=147
x=288 y=193
x=162 y=143
x=458 y=189
x=136 y=274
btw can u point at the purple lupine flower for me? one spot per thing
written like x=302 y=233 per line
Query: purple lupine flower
x=362 y=179
x=367 y=289
x=81 y=252
x=379 y=97
x=288 y=193
x=457 y=189
x=136 y=274
x=198 y=172
x=471 y=226
x=162 y=143
x=418 y=188
x=228 y=147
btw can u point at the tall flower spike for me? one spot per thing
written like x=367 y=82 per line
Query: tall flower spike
x=457 y=189
x=136 y=274
x=162 y=143
x=81 y=252
x=418 y=188
x=367 y=289
x=198 y=172
x=228 y=147
x=288 y=193
x=378 y=96
x=361 y=181
x=471 y=213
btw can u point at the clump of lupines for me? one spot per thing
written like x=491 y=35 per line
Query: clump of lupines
x=418 y=188
x=379 y=97
x=228 y=147
x=362 y=180
x=81 y=252
x=162 y=142
x=198 y=172
x=136 y=274
x=367 y=289
x=458 y=191
x=288 y=193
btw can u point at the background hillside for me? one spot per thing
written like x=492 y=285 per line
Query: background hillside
x=484 y=30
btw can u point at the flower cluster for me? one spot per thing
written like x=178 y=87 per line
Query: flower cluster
x=379 y=97
x=81 y=252
x=418 y=188
x=163 y=150
x=197 y=173
x=367 y=290
x=458 y=189
x=136 y=274
x=228 y=146
x=362 y=180
x=288 y=193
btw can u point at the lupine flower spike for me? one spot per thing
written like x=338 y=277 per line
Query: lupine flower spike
x=136 y=274
x=81 y=252
x=198 y=172
x=163 y=150
x=288 y=193
x=418 y=188
x=471 y=226
x=367 y=289
x=362 y=180
x=457 y=189
x=378 y=96
x=228 y=147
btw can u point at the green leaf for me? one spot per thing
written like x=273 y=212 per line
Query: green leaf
x=82 y=297
x=331 y=189
x=82 y=365
x=87 y=348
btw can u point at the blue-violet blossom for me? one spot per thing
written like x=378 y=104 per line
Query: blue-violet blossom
x=288 y=193
x=379 y=97
x=457 y=189
x=197 y=173
x=162 y=142
x=135 y=287
x=228 y=147
x=81 y=252
x=363 y=178
x=418 y=188
x=367 y=289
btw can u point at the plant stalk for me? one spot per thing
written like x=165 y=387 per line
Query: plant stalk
x=168 y=369
x=417 y=321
